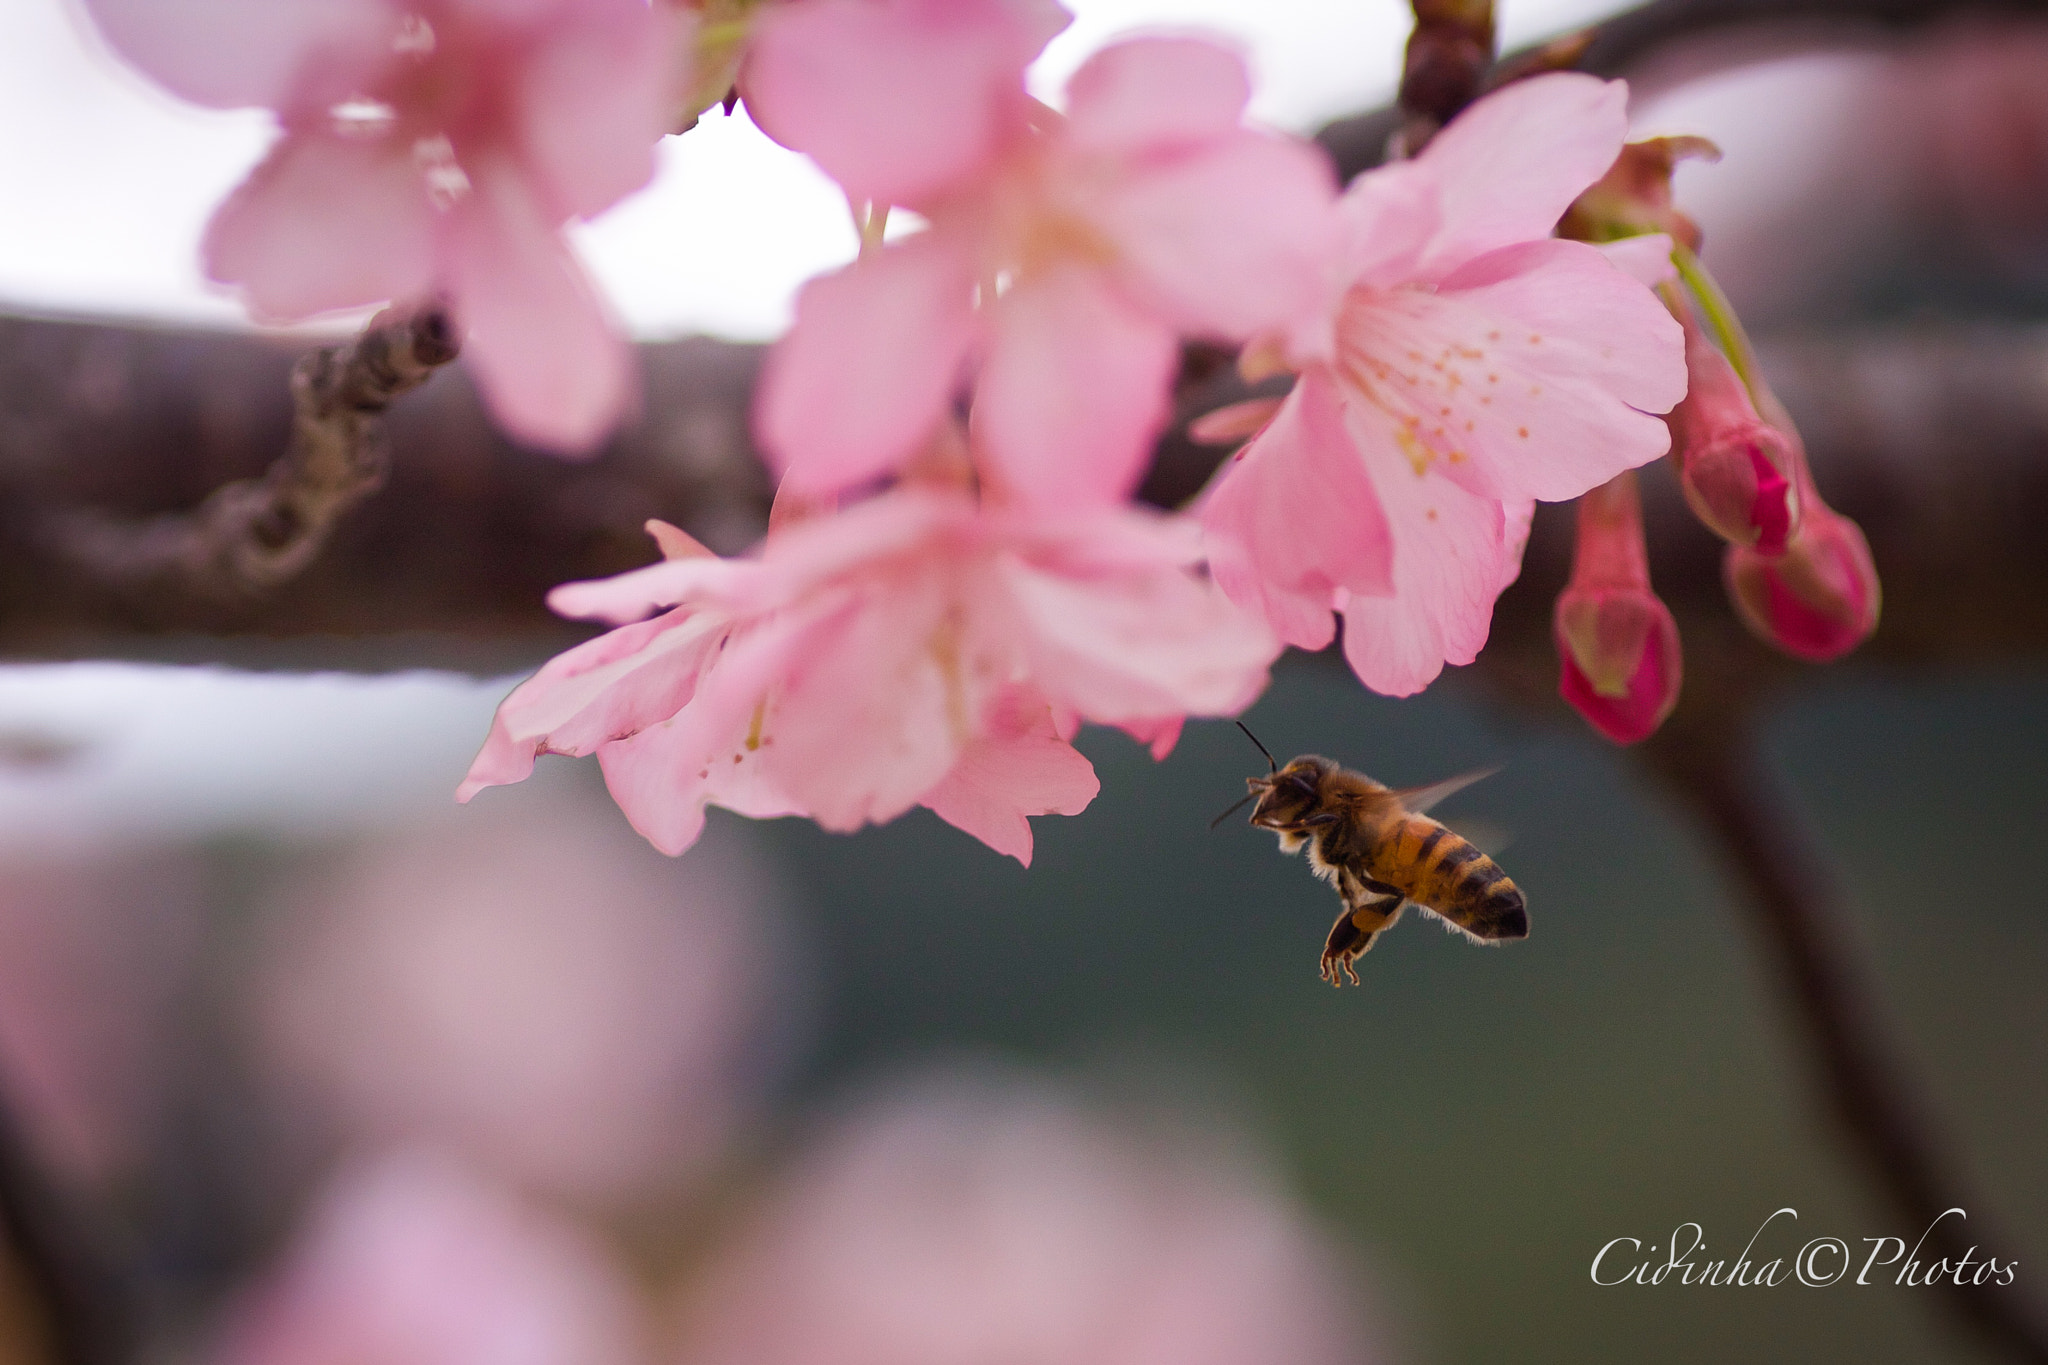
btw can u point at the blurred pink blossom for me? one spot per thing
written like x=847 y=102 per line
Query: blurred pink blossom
x=414 y=1260
x=916 y=648
x=433 y=149
x=1064 y=256
x=899 y=101
x=95 y=950
x=1466 y=364
x=530 y=987
x=969 y=1220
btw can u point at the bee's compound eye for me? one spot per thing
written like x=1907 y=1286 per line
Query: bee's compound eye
x=1301 y=783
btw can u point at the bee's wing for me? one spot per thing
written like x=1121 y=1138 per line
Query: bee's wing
x=1490 y=837
x=1420 y=799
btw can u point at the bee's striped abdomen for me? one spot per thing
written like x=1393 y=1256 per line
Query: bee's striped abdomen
x=1444 y=872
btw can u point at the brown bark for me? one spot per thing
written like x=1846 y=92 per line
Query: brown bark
x=1935 y=441
x=101 y=422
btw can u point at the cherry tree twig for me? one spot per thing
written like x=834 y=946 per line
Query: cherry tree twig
x=252 y=534
x=1794 y=908
x=1636 y=38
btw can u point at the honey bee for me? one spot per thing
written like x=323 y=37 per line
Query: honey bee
x=1375 y=845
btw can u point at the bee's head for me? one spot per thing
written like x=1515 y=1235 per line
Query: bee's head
x=1288 y=795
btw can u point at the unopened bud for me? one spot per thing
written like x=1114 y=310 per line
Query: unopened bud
x=1820 y=598
x=1738 y=471
x=1617 y=646
x=1634 y=197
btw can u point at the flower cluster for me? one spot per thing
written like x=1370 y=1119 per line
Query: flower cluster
x=433 y=150
x=921 y=647
x=956 y=576
x=1462 y=364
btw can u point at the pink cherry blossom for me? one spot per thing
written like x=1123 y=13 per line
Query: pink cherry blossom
x=532 y=986
x=98 y=945
x=974 y=1218
x=433 y=149
x=898 y=101
x=414 y=1260
x=1064 y=256
x=1465 y=365
x=1617 y=646
x=917 y=648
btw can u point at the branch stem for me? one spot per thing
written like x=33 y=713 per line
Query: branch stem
x=1796 y=916
x=250 y=535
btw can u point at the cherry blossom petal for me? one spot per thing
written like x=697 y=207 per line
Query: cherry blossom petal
x=605 y=689
x=1517 y=517
x=555 y=371
x=878 y=708
x=1531 y=374
x=1295 y=519
x=1150 y=94
x=1074 y=390
x=324 y=223
x=1449 y=551
x=297 y=56
x=595 y=97
x=909 y=521
x=710 y=751
x=633 y=595
x=1133 y=649
x=899 y=99
x=1019 y=766
x=1387 y=219
x=1158 y=736
x=1645 y=259
x=1103 y=540
x=870 y=365
x=1230 y=240
x=1510 y=165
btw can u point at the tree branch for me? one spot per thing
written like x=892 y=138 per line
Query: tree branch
x=1638 y=38
x=1792 y=906
x=252 y=534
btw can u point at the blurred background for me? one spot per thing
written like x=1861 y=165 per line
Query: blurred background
x=319 y=1068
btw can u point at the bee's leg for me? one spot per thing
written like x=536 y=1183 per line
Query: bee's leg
x=1353 y=934
x=1382 y=888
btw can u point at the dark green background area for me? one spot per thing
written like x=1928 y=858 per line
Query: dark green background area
x=1482 y=1120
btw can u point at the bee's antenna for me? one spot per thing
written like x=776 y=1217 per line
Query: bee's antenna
x=1235 y=807
x=1262 y=749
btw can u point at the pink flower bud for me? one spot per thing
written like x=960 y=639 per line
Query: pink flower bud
x=1819 y=599
x=1617 y=646
x=1738 y=471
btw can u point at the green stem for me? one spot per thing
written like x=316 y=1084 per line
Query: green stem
x=1720 y=319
